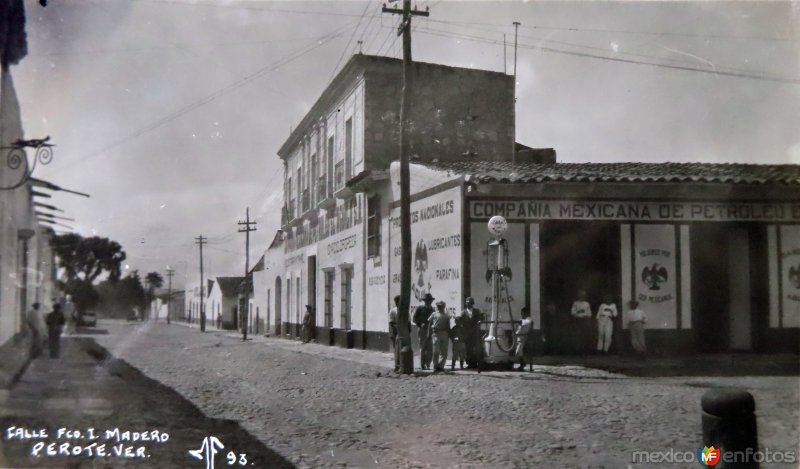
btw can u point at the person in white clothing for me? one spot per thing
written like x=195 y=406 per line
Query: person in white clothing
x=582 y=314
x=522 y=333
x=636 y=321
x=606 y=313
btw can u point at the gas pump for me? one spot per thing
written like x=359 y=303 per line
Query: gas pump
x=499 y=341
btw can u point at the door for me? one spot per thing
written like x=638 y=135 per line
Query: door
x=329 y=279
x=710 y=251
x=576 y=256
x=278 y=304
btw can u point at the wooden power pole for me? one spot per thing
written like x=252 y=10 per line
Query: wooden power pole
x=403 y=319
x=201 y=240
x=170 y=273
x=243 y=304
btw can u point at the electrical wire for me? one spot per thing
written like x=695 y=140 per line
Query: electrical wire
x=749 y=75
x=217 y=94
x=347 y=46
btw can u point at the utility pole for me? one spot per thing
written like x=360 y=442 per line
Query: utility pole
x=514 y=140
x=170 y=273
x=243 y=303
x=201 y=240
x=403 y=320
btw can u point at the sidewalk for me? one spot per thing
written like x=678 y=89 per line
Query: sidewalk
x=589 y=366
x=86 y=388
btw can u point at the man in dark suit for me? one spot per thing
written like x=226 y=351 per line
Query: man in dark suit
x=421 y=315
x=471 y=318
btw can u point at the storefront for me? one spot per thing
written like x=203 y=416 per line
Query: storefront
x=713 y=274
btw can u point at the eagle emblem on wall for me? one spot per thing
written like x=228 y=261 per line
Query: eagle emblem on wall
x=794 y=276
x=654 y=276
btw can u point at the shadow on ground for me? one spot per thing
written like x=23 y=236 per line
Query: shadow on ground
x=695 y=365
x=89 y=388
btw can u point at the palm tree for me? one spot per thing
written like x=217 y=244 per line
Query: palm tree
x=153 y=280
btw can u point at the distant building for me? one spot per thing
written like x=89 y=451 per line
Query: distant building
x=223 y=297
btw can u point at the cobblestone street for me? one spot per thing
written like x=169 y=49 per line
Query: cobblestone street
x=325 y=407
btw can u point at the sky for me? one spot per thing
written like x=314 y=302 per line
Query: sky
x=170 y=112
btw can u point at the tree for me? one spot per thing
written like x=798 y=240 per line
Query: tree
x=153 y=280
x=83 y=261
x=119 y=298
x=87 y=258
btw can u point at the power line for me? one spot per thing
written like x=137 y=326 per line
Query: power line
x=219 y=93
x=622 y=31
x=753 y=76
x=601 y=49
x=347 y=46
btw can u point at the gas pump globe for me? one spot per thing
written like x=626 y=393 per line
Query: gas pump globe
x=498 y=342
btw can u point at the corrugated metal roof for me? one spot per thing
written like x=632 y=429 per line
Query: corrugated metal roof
x=730 y=173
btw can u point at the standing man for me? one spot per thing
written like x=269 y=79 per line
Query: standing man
x=471 y=319
x=70 y=315
x=606 y=313
x=421 y=315
x=457 y=339
x=308 y=324
x=440 y=334
x=521 y=334
x=636 y=321
x=55 y=326
x=393 y=332
x=38 y=330
x=582 y=312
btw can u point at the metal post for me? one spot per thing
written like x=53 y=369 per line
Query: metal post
x=200 y=240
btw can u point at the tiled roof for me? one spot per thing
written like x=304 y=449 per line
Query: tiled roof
x=229 y=285
x=504 y=171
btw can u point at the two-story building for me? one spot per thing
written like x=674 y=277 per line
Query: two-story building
x=708 y=250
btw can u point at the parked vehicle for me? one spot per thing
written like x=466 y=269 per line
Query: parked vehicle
x=88 y=319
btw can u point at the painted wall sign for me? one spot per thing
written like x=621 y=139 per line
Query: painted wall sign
x=654 y=274
x=790 y=275
x=436 y=249
x=631 y=210
x=342 y=245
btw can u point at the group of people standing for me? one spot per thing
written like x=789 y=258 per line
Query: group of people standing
x=47 y=330
x=437 y=330
x=581 y=311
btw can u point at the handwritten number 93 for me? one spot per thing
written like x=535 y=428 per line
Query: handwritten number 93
x=208 y=451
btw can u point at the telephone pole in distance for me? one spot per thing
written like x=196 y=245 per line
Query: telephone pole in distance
x=243 y=304
x=406 y=364
x=201 y=240
x=170 y=273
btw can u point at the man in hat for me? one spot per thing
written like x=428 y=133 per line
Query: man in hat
x=471 y=318
x=308 y=324
x=440 y=333
x=421 y=315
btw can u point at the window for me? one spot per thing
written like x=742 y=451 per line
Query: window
x=314 y=171
x=348 y=148
x=373 y=226
x=331 y=158
x=329 y=278
x=347 y=283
